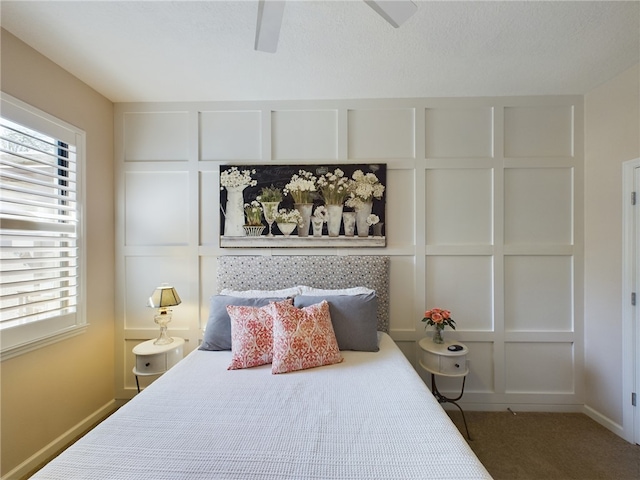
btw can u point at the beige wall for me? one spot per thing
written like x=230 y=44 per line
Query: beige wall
x=612 y=133
x=47 y=392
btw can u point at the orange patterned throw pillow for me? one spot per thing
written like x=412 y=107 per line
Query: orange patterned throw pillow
x=251 y=335
x=303 y=338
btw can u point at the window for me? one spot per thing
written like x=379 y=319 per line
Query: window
x=41 y=256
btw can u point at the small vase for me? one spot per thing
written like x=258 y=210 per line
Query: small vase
x=287 y=228
x=317 y=226
x=270 y=211
x=362 y=213
x=305 y=223
x=437 y=336
x=234 y=214
x=334 y=219
x=377 y=229
x=349 y=219
x=253 y=230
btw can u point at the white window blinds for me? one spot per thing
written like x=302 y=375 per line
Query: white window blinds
x=39 y=224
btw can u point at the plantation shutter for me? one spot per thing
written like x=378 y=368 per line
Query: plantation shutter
x=39 y=224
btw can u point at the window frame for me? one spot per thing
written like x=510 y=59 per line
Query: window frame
x=24 y=338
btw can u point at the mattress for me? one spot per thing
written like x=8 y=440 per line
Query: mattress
x=368 y=417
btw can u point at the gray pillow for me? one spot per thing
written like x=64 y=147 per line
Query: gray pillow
x=354 y=319
x=217 y=334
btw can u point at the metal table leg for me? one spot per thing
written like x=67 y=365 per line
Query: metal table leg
x=442 y=399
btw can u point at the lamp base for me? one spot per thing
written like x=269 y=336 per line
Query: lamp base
x=163 y=339
x=163 y=319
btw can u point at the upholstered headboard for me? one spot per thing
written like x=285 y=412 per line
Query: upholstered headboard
x=275 y=272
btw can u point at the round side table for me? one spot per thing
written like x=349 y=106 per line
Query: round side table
x=156 y=359
x=448 y=359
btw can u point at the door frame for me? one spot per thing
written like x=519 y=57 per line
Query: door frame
x=630 y=314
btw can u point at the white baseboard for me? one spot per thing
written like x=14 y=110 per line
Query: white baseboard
x=517 y=407
x=568 y=408
x=44 y=454
x=606 y=422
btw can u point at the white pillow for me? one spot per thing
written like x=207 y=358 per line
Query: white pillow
x=285 y=292
x=340 y=291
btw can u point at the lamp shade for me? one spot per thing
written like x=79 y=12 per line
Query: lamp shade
x=164 y=296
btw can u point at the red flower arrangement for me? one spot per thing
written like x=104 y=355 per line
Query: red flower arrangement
x=440 y=318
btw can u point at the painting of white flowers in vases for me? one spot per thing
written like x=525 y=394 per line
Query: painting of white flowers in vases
x=341 y=205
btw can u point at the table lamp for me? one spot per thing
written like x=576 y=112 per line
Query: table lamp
x=162 y=298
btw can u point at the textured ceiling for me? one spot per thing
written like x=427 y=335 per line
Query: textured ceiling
x=203 y=50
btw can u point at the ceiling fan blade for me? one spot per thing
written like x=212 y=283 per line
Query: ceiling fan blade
x=269 y=23
x=396 y=12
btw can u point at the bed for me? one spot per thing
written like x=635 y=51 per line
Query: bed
x=367 y=416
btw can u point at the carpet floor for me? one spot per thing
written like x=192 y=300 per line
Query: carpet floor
x=548 y=446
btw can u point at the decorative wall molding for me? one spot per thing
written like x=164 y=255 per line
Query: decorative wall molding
x=484 y=209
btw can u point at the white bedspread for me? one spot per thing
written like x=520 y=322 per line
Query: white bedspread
x=370 y=417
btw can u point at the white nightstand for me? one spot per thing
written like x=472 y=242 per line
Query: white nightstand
x=156 y=359
x=438 y=359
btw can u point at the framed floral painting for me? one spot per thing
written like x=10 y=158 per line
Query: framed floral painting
x=341 y=205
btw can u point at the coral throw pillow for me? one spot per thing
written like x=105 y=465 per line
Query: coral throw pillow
x=251 y=335
x=303 y=338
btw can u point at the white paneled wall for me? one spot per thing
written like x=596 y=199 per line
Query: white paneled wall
x=381 y=133
x=217 y=135
x=304 y=135
x=484 y=218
